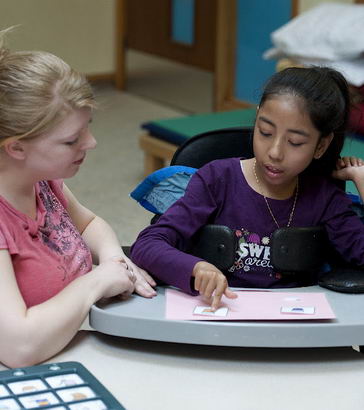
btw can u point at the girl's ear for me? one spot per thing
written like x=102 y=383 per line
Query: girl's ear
x=322 y=145
x=14 y=148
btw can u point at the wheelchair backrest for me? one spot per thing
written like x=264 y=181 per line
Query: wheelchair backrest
x=211 y=145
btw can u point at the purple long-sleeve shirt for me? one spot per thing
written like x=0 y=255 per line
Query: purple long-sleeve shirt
x=219 y=193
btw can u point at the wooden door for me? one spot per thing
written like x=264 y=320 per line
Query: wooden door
x=149 y=29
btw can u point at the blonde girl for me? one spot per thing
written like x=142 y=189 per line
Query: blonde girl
x=48 y=240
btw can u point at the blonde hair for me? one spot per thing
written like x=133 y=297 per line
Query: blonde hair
x=37 y=90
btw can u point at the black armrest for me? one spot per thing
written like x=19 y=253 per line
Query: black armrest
x=295 y=250
x=304 y=250
x=215 y=244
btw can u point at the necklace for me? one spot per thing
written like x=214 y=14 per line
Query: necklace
x=266 y=201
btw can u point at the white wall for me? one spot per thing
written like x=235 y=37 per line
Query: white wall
x=82 y=32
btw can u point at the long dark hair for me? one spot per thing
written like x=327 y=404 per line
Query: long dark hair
x=325 y=93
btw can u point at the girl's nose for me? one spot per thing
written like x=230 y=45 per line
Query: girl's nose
x=276 y=150
x=89 y=142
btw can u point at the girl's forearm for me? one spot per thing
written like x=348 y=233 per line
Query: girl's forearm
x=359 y=183
x=47 y=328
x=360 y=189
x=102 y=240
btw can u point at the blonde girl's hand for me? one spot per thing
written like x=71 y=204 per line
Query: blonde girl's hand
x=211 y=283
x=114 y=278
x=143 y=282
x=349 y=168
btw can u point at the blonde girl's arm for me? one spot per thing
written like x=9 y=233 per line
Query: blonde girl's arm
x=32 y=335
x=103 y=242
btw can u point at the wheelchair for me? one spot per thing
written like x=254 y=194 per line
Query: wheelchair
x=294 y=251
x=299 y=252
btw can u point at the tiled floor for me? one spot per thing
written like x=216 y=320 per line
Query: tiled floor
x=169 y=83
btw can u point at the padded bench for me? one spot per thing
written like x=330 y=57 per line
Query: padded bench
x=162 y=137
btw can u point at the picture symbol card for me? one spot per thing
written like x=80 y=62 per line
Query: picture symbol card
x=298 y=310
x=207 y=311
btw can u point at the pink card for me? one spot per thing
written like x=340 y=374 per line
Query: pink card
x=250 y=305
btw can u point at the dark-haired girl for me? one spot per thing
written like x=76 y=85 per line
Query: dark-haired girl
x=298 y=136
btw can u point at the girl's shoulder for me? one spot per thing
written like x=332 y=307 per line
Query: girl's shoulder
x=221 y=167
x=221 y=177
x=323 y=189
x=320 y=182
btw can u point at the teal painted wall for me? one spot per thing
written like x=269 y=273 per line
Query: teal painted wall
x=256 y=19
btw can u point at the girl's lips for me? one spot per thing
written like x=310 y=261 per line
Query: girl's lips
x=272 y=171
x=79 y=162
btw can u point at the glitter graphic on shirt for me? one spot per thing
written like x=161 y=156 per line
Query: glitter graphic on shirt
x=59 y=233
x=253 y=253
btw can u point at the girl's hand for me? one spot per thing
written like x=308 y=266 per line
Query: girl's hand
x=349 y=169
x=115 y=278
x=144 y=283
x=211 y=283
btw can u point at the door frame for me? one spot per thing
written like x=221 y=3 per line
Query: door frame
x=120 y=32
x=224 y=79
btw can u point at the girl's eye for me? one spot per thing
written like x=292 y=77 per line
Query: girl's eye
x=71 y=142
x=80 y=135
x=296 y=144
x=265 y=134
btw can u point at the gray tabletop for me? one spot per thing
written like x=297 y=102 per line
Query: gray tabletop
x=142 y=318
